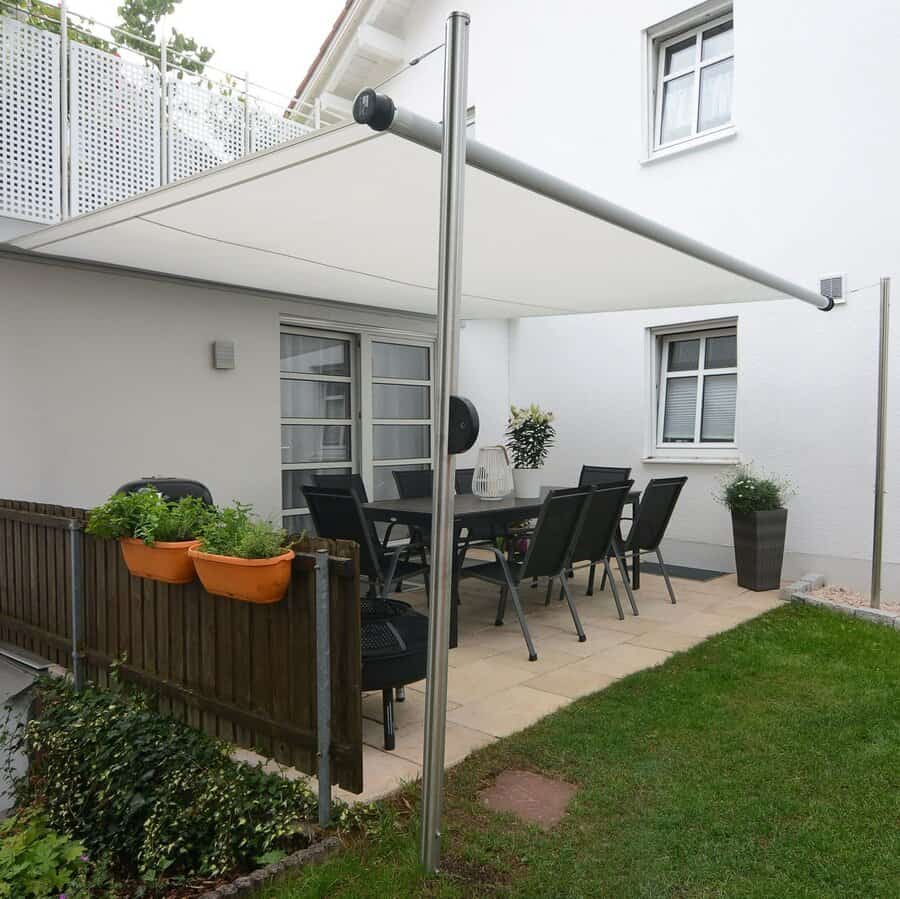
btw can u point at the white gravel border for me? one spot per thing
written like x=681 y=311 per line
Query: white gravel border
x=799 y=592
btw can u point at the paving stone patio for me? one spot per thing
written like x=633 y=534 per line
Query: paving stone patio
x=494 y=690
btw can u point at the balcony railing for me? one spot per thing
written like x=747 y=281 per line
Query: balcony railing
x=82 y=127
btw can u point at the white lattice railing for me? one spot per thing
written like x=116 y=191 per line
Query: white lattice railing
x=81 y=128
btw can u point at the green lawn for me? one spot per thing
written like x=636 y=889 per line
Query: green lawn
x=763 y=763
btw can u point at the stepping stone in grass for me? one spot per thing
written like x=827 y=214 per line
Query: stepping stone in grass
x=532 y=797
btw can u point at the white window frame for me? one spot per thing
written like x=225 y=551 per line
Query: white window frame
x=712 y=451
x=369 y=422
x=657 y=40
x=352 y=379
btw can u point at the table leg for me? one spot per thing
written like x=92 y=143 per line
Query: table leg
x=636 y=571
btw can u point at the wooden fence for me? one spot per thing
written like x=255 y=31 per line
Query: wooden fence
x=245 y=673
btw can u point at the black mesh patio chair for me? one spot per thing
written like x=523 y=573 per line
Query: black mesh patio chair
x=464 y=477
x=601 y=474
x=598 y=538
x=338 y=515
x=549 y=549
x=413 y=484
x=352 y=482
x=355 y=484
x=651 y=520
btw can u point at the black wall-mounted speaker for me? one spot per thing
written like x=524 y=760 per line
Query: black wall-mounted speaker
x=463 y=425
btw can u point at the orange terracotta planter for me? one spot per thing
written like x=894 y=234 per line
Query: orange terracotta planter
x=251 y=580
x=166 y=562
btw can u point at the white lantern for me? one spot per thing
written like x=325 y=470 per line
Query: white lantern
x=493 y=477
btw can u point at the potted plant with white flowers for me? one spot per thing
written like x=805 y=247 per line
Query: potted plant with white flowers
x=759 y=523
x=529 y=436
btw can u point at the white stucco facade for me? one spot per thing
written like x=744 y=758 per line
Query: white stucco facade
x=108 y=376
x=806 y=185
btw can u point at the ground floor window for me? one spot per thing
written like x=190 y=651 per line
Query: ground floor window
x=697 y=390
x=351 y=403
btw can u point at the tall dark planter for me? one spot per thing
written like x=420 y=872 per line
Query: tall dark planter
x=759 y=548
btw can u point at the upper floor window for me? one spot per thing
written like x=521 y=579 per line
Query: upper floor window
x=697 y=389
x=695 y=79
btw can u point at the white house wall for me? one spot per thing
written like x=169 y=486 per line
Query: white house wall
x=806 y=187
x=108 y=376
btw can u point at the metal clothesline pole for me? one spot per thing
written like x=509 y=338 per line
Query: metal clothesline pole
x=880 y=440
x=453 y=164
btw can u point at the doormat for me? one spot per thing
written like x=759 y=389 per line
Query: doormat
x=682 y=571
x=532 y=797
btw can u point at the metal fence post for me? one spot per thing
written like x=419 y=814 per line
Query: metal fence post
x=884 y=323
x=323 y=684
x=76 y=573
x=163 y=104
x=317 y=113
x=64 y=109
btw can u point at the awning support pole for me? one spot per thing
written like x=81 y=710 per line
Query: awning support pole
x=453 y=163
x=884 y=323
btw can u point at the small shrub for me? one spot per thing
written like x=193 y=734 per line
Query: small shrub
x=35 y=861
x=529 y=436
x=156 y=797
x=234 y=532
x=148 y=516
x=743 y=491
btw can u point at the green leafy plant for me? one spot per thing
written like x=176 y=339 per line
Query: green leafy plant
x=744 y=491
x=233 y=531
x=148 y=516
x=529 y=436
x=156 y=797
x=36 y=861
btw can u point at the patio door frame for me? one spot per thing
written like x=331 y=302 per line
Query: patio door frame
x=352 y=421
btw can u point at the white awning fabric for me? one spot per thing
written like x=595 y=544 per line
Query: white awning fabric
x=351 y=215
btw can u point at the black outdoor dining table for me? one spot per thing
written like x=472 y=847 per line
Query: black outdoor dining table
x=468 y=510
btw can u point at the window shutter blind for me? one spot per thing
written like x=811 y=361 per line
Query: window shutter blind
x=719 y=399
x=681 y=410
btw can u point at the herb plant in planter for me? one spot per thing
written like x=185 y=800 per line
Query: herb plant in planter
x=243 y=558
x=154 y=534
x=529 y=436
x=759 y=522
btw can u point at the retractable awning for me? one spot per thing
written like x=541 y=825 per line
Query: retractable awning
x=349 y=214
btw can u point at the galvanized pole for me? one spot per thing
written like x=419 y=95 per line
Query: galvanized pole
x=317 y=113
x=64 y=108
x=163 y=104
x=453 y=163
x=76 y=575
x=323 y=684
x=884 y=323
